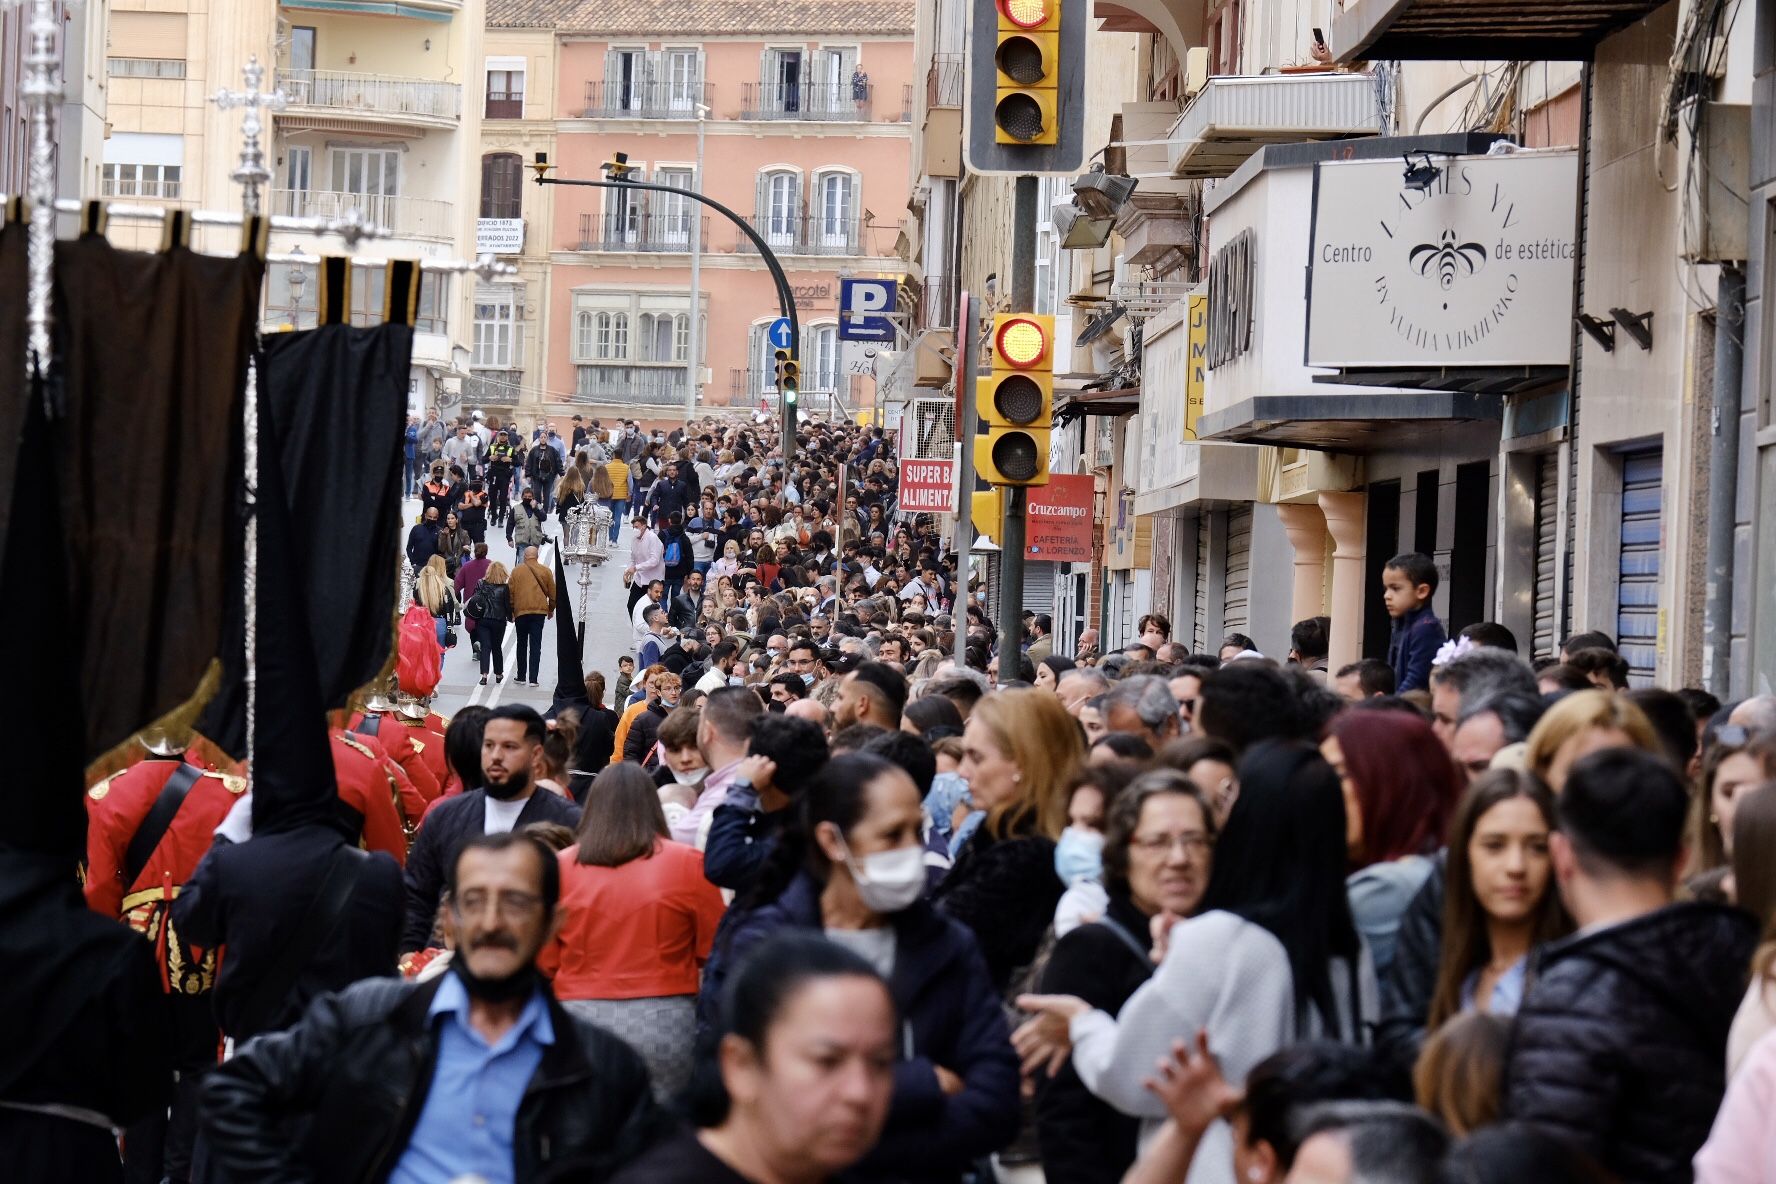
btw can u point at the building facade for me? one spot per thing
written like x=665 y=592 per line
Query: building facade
x=382 y=118
x=796 y=118
x=79 y=131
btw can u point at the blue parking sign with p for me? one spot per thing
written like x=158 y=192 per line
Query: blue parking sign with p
x=864 y=306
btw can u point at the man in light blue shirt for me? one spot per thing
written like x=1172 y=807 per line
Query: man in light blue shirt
x=471 y=1109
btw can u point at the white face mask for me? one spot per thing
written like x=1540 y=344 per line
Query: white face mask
x=889 y=881
x=688 y=776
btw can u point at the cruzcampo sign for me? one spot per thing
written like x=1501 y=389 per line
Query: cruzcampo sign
x=1467 y=262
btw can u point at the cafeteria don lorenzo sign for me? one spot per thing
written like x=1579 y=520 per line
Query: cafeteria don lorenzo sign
x=1474 y=269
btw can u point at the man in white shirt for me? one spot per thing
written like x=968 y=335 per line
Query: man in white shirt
x=647 y=560
x=722 y=660
x=654 y=597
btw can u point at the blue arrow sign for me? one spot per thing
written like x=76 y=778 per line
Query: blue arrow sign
x=780 y=335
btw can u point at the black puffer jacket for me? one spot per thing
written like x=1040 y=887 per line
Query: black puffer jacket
x=336 y=1097
x=1620 y=1043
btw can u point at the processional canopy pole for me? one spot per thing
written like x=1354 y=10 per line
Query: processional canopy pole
x=253 y=176
x=41 y=88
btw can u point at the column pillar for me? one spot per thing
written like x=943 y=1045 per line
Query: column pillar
x=1345 y=520
x=1306 y=527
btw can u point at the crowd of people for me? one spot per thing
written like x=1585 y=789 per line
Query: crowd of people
x=830 y=880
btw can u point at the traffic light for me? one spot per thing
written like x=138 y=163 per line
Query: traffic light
x=1026 y=87
x=789 y=375
x=618 y=168
x=987 y=512
x=1016 y=403
x=1026 y=61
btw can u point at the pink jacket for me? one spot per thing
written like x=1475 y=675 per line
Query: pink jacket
x=1741 y=1149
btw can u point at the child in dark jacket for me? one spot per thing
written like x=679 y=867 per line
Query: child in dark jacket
x=1408 y=582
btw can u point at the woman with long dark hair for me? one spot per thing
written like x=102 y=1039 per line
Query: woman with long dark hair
x=1270 y=958
x=1499 y=899
x=1400 y=787
x=638 y=919
x=796 y=1087
x=852 y=866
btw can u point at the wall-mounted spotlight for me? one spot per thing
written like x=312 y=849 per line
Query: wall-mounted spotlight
x=1602 y=332
x=1421 y=175
x=1638 y=325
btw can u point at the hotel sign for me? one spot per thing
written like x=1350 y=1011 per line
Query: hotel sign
x=1475 y=269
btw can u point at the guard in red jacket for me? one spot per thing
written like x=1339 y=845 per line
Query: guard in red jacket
x=147 y=828
x=415 y=749
x=370 y=795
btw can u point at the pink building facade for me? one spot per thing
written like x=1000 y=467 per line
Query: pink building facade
x=805 y=133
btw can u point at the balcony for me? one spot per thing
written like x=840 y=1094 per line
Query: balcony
x=1470 y=30
x=405 y=217
x=1232 y=117
x=326 y=98
x=942 y=138
x=751 y=387
x=797 y=235
x=641 y=231
x=937 y=302
x=657 y=385
x=504 y=105
x=645 y=100
x=833 y=102
x=493 y=388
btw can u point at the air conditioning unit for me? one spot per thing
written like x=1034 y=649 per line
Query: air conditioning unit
x=1717 y=183
x=1196 y=69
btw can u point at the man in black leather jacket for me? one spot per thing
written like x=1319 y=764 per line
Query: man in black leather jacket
x=347 y=1094
x=1620 y=1042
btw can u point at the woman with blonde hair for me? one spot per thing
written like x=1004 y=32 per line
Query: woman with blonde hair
x=491 y=606
x=434 y=592
x=1020 y=754
x=1581 y=724
x=570 y=491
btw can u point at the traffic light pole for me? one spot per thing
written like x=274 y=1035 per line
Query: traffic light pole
x=785 y=296
x=1011 y=537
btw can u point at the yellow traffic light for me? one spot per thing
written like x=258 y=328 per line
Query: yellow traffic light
x=1027 y=58
x=987 y=512
x=1016 y=402
x=789 y=375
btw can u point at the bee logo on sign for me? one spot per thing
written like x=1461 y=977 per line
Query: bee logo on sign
x=865 y=307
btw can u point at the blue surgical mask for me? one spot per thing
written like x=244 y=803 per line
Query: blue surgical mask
x=1079 y=855
x=808 y=680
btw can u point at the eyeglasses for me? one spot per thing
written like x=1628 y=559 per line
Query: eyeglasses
x=1195 y=844
x=506 y=904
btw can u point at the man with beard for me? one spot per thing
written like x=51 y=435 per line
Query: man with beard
x=478 y=1072
x=511 y=747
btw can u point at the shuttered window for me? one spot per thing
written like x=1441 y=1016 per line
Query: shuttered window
x=1547 y=514
x=1637 y=592
x=502 y=185
x=1235 y=615
x=1199 y=555
x=146 y=35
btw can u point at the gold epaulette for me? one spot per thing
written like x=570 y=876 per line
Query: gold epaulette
x=97 y=792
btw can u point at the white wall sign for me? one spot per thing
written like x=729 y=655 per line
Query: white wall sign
x=499 y=236
x=1476 y=270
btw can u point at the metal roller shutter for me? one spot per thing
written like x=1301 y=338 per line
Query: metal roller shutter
x=1125 y=608
x=1235 y=617
x=1637 y=591
x=147 y=35
x=1547 y=514
x=1039 y=584
x=1199 y=635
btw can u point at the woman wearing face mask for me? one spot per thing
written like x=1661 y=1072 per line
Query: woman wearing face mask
x=1079 y=851
x=638 y=919
x=852 y=866
x=1157 y=852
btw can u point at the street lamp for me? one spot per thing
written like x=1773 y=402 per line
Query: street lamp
x=298 y=283
x=585 y=540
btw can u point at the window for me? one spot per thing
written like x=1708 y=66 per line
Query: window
x=496 y=327
x=298 y=168
x=374 y=171
x=505 y=88
x=782 y=83
x=624 y=212
x=612 y=334
x=302 y=48
x=779 y=208
x=684 y=79
x=835 y=199
x=434 y=303
x=141 y=180
x=145 y=67
x=296 y=303
x=583 y=335
x=502 y=185
x=626 y=79
x=824 y=353
x=673 y=215
x=681 y=338
x=1045 y=245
